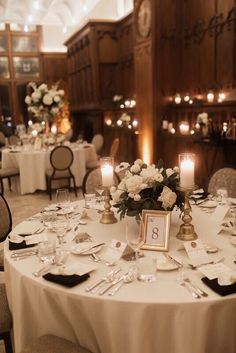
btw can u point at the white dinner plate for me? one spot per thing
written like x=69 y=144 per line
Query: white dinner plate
x=74 y=269
x=77 y=249
x=165 y=265
x=209 y=204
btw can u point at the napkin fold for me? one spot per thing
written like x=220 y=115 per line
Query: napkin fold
x=221 y=290
x=18 y=246
x=66 y=280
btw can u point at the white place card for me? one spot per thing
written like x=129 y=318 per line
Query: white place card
x=35 y=239
x=219 y=213
x=116 y=250
x=196 y=252
x=212 y=271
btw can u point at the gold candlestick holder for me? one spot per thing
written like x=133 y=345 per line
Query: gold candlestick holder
x=108 y=216
x=186 y=230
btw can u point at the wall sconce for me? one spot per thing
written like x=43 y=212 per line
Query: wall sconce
x=172 y=131
x=108 y=122
x=221 y=97
x=119 y=122
x=184 y=128
x=177 y=99
x=210 y=97
x=135 y=123
x=190 y=101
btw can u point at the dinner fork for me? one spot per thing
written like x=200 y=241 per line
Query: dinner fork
x=189 y=289
x=196 y=288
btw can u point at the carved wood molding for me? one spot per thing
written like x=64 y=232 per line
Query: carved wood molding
x=198 y=31
x=112 y=34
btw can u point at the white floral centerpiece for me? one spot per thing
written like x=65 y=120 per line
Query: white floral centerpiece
x=202 y=119
x=45 y=103
x=146 y=187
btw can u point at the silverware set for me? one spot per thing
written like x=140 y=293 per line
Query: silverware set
x=23 y=253
x=192 y=288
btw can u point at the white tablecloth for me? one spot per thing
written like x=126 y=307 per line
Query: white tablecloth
x=160 y=317
x=32 y=165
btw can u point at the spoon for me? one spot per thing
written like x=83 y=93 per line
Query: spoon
x=126 y=279
x=97 y=258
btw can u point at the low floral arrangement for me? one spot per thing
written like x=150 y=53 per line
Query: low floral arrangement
x=146 y=187
x=202 y=119
x=45 y=103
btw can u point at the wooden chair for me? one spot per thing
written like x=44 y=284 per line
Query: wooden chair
x=61 y=159
x=224 y=177
x=5 y=225
x=5 y=320
x=93 y=180
x=7 y=173
x=53 y=344
x=98 y=141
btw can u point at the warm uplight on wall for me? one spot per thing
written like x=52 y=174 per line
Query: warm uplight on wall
x=210 y=97
x=177 y=99
x=146 y=152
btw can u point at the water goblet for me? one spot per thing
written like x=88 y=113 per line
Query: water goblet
x=134 y=236
x=61 y=226
x=99 y=190
x=222 y=194
x=62 y=197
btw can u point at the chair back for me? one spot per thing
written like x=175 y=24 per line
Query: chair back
x=98 y=141
x=2 y=138
x=13 y=140
x=114 y=147
x=61 y=158
x=225 y=177
x=6 y=219
x=93 y=179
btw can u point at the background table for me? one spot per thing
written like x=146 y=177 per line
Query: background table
x=160 y=317
x=32 y=165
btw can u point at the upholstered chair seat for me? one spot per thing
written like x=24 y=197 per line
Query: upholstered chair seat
x=5 y=320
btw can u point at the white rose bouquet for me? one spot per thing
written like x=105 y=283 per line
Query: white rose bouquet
x=146 y=187
x=44 y=102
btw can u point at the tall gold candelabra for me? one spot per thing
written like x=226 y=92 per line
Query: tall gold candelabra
x=186 y=230
x=108 y=216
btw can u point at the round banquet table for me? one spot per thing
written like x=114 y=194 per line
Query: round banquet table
x=33 y=163
x=160 y=316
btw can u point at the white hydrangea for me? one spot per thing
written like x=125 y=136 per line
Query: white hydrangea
x=43 y=87
x=57 y=99
x=151 y=174
x=167 y=197
x=36 y=96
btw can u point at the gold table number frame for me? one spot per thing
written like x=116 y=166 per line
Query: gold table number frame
x=156 y=230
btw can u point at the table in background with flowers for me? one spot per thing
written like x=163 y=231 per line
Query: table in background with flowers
x=33 y=163
x=160 y=316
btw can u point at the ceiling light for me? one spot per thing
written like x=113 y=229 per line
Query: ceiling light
x=36 y=5
x=85 y=9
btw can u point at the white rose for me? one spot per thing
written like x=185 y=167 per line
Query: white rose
x=54 y=110
x=137 y=197
x=167 y=197
x=122 y=166
x=116 y=197
x=43 y=87
x=138 y=161
x=47 y=99
x=176 y=169
x=135 y=168
x=112 y=189
x=57 y=99
x=27 y=100
x=158 y=177
x=133 y=184
x=36 y=96
x=61 y=92
x=169 y=172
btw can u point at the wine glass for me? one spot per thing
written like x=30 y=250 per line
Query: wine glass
x=222 y=194
x=62 y=197
x=61 y=226
x=99 y=190
x=134 y=236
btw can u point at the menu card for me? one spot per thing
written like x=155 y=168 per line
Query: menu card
x=196 y=252
x=218 y=270
x=35 y=239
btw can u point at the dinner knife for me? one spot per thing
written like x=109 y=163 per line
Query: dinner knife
x=104 y=279
x=177 y=263
x=90 y=248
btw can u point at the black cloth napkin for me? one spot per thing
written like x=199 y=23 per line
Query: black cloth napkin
x=18 y=246
x=66 y=280
x=221 y=290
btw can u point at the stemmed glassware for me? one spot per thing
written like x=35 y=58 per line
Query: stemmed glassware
x=63 y=198
x=99 y=190
x=61 y=226
x=134 y=236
